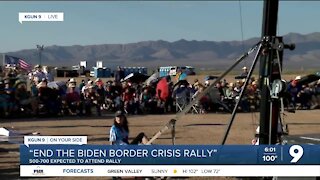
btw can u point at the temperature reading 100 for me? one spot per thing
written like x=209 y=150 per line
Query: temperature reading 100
x=269 y=158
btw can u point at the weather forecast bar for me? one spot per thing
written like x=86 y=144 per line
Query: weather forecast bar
x=171 y=170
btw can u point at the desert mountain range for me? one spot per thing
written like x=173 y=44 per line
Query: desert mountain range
x=212 y=54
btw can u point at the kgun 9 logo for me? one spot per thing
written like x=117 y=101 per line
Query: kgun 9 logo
x=296 y=152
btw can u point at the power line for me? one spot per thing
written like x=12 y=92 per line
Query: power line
x=241 y=24
x=241 y=29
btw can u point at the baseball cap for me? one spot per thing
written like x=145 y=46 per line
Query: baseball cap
x=119 y=113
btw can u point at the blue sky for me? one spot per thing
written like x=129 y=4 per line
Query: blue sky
x=106 y=22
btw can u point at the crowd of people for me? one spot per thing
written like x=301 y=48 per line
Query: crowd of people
x=303 y=96
x=157 y=96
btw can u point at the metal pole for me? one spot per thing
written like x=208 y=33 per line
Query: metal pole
x=40 y=56
x=269 y=29
x=194 y=101
x=3 y=60
x=40 y=49
x=241 y=95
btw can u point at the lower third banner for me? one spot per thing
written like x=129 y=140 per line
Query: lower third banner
x=179 y=160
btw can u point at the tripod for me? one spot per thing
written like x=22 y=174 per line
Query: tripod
x=267 y=45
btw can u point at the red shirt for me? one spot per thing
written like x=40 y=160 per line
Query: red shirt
x=73 y=97
x=127 y=96
x=163 y=88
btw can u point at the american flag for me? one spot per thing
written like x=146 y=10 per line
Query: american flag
x=12 y=61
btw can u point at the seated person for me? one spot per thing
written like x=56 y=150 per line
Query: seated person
x=91 y=99
x=73 y=100
x=128 y=99
x=245 y=72
x=4 y=100
x=145 y=100
x=48 y=97
x=24 y=98
x=44 y=91
x=119 y=132
x=9 y=102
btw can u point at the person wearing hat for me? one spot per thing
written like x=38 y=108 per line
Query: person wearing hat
x=101 y=92
x=245 y=72
x=73 y=83
x=252 y=95
x=196 y=84
x=72 y=80
x=206 y=83
x=98 y=80
x=48 y=74
x=47 y=97
x=91 y=99
x=293 y=89
x=297 y=78
x=73 y=100
x=24 y=99
x=119 y=132
x=39 y=73
x=87 y=86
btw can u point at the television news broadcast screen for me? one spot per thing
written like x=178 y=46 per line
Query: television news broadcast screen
x=159 y=90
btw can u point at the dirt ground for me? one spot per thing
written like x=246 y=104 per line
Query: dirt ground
x=191 y=129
